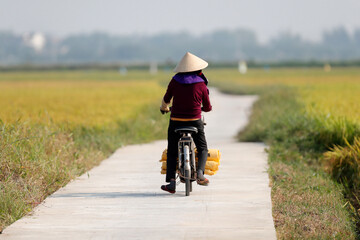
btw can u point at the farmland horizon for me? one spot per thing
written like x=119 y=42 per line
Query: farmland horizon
x=353 y=31
x=219 y=45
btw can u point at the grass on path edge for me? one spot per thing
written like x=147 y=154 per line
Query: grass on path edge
x=36 y=160
x=307 y=202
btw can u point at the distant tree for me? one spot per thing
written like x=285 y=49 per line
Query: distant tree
x=13 y=50
x=339 y=44
x=337 y=37
x=289 y=46
x=228 y=45
x=357 y=37
x=219 y=45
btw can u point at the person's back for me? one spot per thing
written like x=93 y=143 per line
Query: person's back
x=190 y=95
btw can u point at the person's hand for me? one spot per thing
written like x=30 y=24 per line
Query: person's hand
x=164 y=108
x=163 y=111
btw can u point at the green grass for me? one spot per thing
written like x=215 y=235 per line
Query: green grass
x=36 y=160
x=307 y=202
x=39 y=157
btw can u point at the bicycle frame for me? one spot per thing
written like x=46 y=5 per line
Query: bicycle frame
x=186 y=164
x=186 y=153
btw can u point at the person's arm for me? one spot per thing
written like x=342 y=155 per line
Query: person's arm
x=206 y=100
x=167 y=98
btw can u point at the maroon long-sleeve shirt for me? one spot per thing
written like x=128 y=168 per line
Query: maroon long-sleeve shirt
x=187 y=99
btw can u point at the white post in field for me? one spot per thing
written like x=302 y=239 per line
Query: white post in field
x=327 y=67
x=243 y=67
x=153 y=68
x=123 y=71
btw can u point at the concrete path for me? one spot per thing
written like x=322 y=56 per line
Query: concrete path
x=121 y=198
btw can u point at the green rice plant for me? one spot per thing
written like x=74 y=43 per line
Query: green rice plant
x=343 y=163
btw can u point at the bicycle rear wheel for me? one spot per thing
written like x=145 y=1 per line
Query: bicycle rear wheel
x=187 y=183
x=187 y=172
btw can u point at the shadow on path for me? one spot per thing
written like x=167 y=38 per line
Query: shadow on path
x=111 y=195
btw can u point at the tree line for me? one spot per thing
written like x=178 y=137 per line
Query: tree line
x=217 y=46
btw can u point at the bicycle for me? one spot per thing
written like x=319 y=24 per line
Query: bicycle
x=186 y=155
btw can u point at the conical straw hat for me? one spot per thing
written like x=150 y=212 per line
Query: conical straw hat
x=190 y=63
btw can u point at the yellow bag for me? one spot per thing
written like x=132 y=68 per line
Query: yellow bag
x=212 y=165
x=163 y=165
x=214 y=155
x=209 y=172
x=212 y=162
x=164 y=155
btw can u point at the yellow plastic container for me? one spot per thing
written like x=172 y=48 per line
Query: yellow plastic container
x=212 y=162
x=211 y=165
x=209 y=172
x=213 y=155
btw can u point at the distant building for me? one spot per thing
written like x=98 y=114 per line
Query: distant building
x=153 y=68
x=35 y=40
x=243 y=67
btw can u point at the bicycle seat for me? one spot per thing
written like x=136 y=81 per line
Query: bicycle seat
x=186 y=130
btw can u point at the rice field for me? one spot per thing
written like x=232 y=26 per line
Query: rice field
x=334 y=94
x=54 y=126
x=331 y=98
x=78 y=100
x=311 y=121
x=73 y=119
x=98 y=98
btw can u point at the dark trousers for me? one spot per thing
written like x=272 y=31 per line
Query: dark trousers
x=173 y=138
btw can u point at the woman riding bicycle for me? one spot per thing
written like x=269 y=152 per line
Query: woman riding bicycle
x=190 y=95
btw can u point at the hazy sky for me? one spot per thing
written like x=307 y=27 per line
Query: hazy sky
x=266 y=17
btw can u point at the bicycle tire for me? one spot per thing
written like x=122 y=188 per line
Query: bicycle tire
x=187 y=183
x=187 y=169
